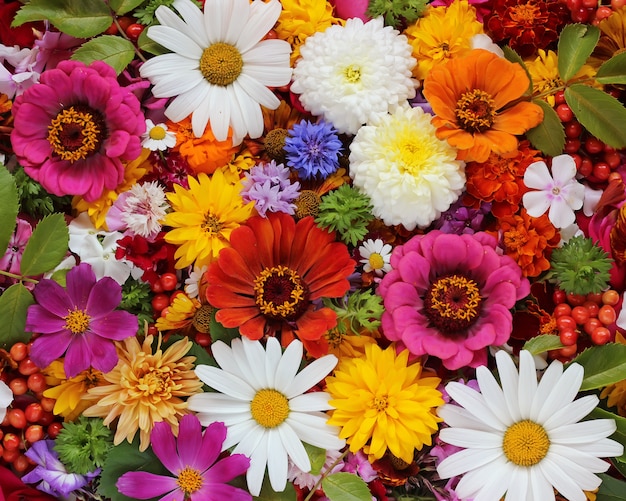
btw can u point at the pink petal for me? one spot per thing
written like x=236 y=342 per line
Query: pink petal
x=400 y=294
x=228 y=468
x=104 y=297
x=49 y=347
x=190 y=442
x=144 y=485
x=415 y=270
x=103 y=353
x=78 y=356
x=164 y=446
x=117 y=325
x=80 y=281
x=51 y=296
x=449 y=252
x=211 y=447
x=39 y=319
x=116 y=144
x=220 y=492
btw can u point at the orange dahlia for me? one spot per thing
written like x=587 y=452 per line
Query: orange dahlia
x=476 y=100
x=266 y=282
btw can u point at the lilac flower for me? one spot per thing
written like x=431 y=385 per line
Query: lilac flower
x=360 y=465
x=269 y=187
x=13 y=256
x=80 y=319
x=459 y=219
x=313 y=149
x=51 y=474
x=192 y=461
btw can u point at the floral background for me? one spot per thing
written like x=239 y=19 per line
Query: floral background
x=312 y=250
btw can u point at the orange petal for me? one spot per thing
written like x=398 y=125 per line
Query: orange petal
x=519 y=118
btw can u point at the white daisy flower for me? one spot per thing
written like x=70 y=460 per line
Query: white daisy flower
x=192 y=283
x=375 y=256
x=220 y=68
x=524 y=438
x=263 y=403
x=349 y=74
x=157 y=137
x=6 y=397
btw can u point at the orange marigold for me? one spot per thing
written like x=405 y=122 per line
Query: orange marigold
x=500 y=180
x=476 y=100
x=529 y=241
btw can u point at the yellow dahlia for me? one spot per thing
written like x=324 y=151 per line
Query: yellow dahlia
x=204 y=216
x=383 y=403
x=612 y=37
x=145 y=388
x=616 y=393
x=346 y=344
x=441 y=34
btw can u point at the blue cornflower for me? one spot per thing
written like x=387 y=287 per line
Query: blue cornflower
x=313 y=149
x=269 y=187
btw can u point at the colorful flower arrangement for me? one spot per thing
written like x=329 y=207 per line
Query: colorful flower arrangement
x=308 y=250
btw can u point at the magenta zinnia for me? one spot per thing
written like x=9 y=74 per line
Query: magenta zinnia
x=75 y=127
x=80 y=319
x=450 y=296
x=192 y=461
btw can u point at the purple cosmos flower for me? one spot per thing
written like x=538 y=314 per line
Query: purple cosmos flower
x=13 y=256
x=80 y=319
x=313 y=149
x=51 y=474
x=269 y=187
x=192 y=461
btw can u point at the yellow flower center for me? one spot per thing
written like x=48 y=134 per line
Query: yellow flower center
x=221 y=64
x=524 y=14
x=352 y=74
x=269 y=408
x=334 y=338
x=453 y=303
x=376 y=261
x=202 y=318
x=189 y=480
x=74 y=134
x=307 y=204
x=280 y=293
x=212 y=224
x=475 y=111
x=525 y=443
x=155 y=381
x=77 y=321
x=380 y=403
x=157 y=133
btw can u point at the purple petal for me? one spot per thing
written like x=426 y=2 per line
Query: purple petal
x=41 y=320
x=164 y=446
x=219 y=492
x=78 y=356
x=400 y=294
x=80 y=281
x=103 y=353
x=53 y=297
x=104 y=297
x=117 y=325
x=144 y=485
x=450 y=252
x=190 y=442
x=228 y=468
x=211 y=446
x=49 y=347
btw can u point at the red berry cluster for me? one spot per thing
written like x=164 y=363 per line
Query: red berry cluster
x=583 y=320
x=590 y=11
x=131 y=29
x=29 y=418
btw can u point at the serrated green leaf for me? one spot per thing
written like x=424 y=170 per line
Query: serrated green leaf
x=514 y=57
x=317 y=457
x=601 y=114
x=121 y=7
x=345 y=487
x=115 y=51
x=613 y=71
x=218 y=331
x=78 y=18
x=611 y=489
x=548 y=136
x=150 y=46
x=8 y=208
x=620 y=422
x=14 y=303
x=603 y=365
x=576 y=43
x=46 y=247
x=543 y=343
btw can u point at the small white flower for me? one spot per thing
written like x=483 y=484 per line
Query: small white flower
x=6 y=397
x=192 y=283
x=376 y=256
x=560 y=192
x=157 y=137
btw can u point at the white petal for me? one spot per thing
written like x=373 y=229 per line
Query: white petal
x=538 y=177
x=563 y=392
x=219 y=112
x=527 y=383
x=225 y=383
x=455 y=415
x=472 y=439
x=247 y=369
x=561 y=215
x=548 y=380
x=314 y=401
x=258 y=461
x=193 y=16
x=273 y=354
x=185 y=104
x=262 y=18
x=466 y=460
x=293 y=446
x=162 y=65
x=223 y=355
x=255 y=357
x=313 y=430
x=257 y=92
x=216 y=18
x=218 y=403
x=605 y=448
x=200 y=116
x=274 y=53
x=584 y=432
x=288 y=366
x=176 y=41
x=509 y=378
x=570 y=477
x=311 y=375
x=563 y=169
x=276 y=461
x=178 y=82
x=541 y=489
x=572 y=412
x=247 y=433
x=536 y=203
x=237 y=121
x=474 y=403
x=237 y=21
x=492 y=395
x=585 y=460
x=518 y=485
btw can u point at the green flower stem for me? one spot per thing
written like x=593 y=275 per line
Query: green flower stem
x=325 y=474
x=21 y=278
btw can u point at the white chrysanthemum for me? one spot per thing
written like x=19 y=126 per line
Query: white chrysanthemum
x=348 y=74
x=220 y=67
x=157 y=137
x=263 y=403
x=410 y=176
x=375 y=256
x=524 y=438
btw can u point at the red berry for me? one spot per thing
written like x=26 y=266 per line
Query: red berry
x=571 y=145
x=607 y=315
x=54 y=429
x=592 y=308
x=47 y=404
x=612 y=158
x=564 y=112
x=600 y=336
x=601 y=171
x=46 y=418
x=33 y=433
x=156 y=287
x=21 y=463
x=19 y=351
x=10 y=455
x=568 y=337
x=559 y=296
x=134 y=30
x=586 y=167
x=595 y=297
x=573 y=129
x=37 y=382
x=559 y=97
x=160 y=302
x=17 y=419
x=10 y=441
x=203 y=339
x=168 y=281
x=603 y=12
x=562 y=309
x=580 y=15
x=568 y=351
x=610 y=297
x=33 y=412
x=576 y=299
x=271 y=35
x=565 y=322
x=18 y=386
x=580 y=314
x=616 y=4
x=593 y=145
x=590 y=3
x=27 y=367
x=591 y=325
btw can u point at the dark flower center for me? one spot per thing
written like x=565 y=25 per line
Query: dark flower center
x=212 y=224
x=475 y=111
x=76 y=133
x=453 y=303
x=202 y=318
x=280 y=293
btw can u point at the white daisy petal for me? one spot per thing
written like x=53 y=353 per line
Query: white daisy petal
x=572 y=412
x=509 y=379
x=475 y=404
x=293 y=446
x=493 y=395
x=288 y=366
x=455 y=415
x=550 y=377
x=605 y=448
x=527 y=383
x=563 y=392
x=466 y=460
x=518 y=485
x=314 y=401
x=540 y=486
x=224 y=382
x=462 y=437
x=276 y=461
x=237 y=21
x=185 y=104
x=589 y=462
x=175 y=40
x=219 y=112
x=172 y=85
x=262 y=18
x=494 y=488
x=258 y=462
x=561 y=481
x=580 y=433
x=193 y=24
x=243 y=433
x=314 y=430
x=311 y=375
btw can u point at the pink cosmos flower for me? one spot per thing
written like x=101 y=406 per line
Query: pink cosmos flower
x=75 y=127
x=450 y=296
x=13 y=256
x=80 y=319
x=192 y=461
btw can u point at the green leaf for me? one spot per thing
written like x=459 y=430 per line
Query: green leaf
x=115 y=51
x=8 y=208
x=47 y=246
x=218 y=331
x=317 y=457
x=514 y=57
x=123 y=458
x=548 y=136
x=601 y=114
x=148 y=45
x=576 y=44
x=611 y=489
x=14 y=303
x=543 y=343
x=121 y=7
x=620 y=433
x=78 y=18
x=268 y=494
x=619 y=465
x=345 y=487
x=603 y=365
x=613 y=71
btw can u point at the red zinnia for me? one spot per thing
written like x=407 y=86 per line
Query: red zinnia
x=265 y=283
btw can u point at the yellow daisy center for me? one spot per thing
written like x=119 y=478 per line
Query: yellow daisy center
x=269 y=408
x=352 y=74
x=77 y=321
x=525 y=443
x=157 y=133
x=453 y=303
x=475 y=110
x=376 y=261
x=75 y=134
x=525 y=14
x=221 y=64
x=212 y=224
x=189 y=480
x=380 y=403
x=280 y=293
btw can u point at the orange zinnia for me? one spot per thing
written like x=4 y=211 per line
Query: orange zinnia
x=266 y=281
x=475 y=100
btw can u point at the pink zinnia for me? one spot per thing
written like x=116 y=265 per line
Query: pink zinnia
x=80 y=319
x=192 y=461
x=450 y=296
x=72 y=130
